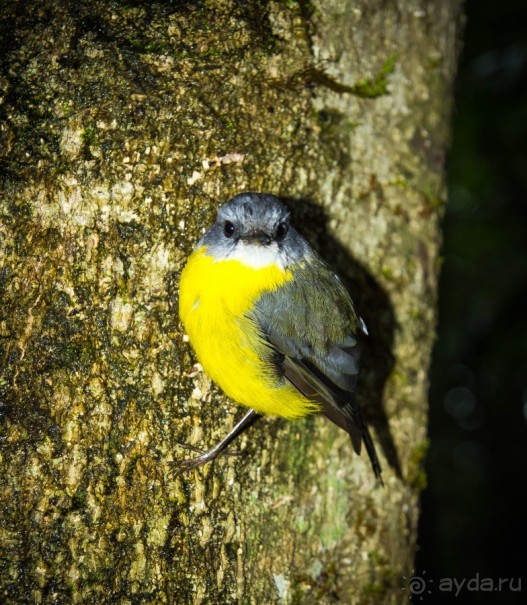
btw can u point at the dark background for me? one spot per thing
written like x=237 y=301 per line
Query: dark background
x=474 y=511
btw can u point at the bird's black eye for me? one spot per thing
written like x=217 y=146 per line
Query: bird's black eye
x=228 y=229
x=281 y=231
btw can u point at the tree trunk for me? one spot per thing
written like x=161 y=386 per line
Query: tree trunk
x=124 y=126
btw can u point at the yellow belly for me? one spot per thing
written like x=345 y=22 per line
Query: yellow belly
x=214 y=298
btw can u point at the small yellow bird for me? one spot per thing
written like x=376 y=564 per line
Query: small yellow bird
x=271 y=323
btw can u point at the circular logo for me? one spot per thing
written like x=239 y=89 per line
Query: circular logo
x=417 y=585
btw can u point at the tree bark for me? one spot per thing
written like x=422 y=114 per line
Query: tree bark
x=123 y=126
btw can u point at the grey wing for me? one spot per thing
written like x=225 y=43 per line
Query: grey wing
x=313 y=336
x=330 y=379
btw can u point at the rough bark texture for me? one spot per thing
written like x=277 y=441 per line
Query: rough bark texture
x=124 y=125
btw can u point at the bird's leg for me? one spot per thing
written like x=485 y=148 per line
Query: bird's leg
x=248 y=420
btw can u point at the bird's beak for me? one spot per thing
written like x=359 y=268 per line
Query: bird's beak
x=258 y=238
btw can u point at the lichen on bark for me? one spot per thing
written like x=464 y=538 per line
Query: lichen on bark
x=123 y=126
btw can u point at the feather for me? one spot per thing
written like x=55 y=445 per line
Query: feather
x=312 y=333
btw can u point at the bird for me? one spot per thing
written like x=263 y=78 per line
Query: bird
x=271 y=323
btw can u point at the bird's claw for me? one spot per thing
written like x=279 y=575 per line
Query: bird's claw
x=204 y=457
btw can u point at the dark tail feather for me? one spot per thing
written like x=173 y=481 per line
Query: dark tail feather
x=372 y=452
x=337 y=405
x=357 y=425
x=349 y=418
x=355 y=435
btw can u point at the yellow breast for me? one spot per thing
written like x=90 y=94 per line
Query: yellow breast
x=214 y=298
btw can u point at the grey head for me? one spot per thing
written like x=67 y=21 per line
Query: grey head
x=254 y=229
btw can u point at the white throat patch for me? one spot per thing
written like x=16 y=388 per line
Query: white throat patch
x=257 y=257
